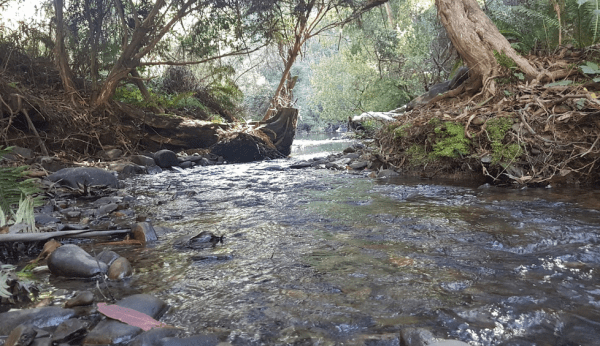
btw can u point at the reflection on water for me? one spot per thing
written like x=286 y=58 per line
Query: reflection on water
x=324 y=257
x=320 y=143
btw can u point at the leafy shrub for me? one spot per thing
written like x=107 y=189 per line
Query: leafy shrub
x=497 y=129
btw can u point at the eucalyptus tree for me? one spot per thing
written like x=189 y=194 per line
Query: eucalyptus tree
x=296 y=21
x=143 y=33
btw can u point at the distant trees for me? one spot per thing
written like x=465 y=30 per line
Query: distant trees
x=296 y=21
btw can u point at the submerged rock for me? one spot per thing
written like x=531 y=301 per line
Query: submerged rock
x=80 y=299
x=23 y=335
x=120 y=269
x=72 y=261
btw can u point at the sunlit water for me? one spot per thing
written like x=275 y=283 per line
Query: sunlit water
x=328 y=257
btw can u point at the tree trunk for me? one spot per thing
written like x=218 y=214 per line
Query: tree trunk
x=475 y=37
x=60 y=53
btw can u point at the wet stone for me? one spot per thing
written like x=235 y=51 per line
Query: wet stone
x=50 y=316
x=154 y=170
x=301 y=164
x=69 y=331
x=386 y=173
x=166 y=158
x=359 y=165
x=106 y=209
x=23 y=335
x=144 y=232
x=416 y=337
x=84 y=176
x=146 y=304
x=44 y=219
x=153 y=336
x=82 y=298
x=186 y=164
x=72 y=261
x=142 y=160
x=111 y=332
x=120 y=269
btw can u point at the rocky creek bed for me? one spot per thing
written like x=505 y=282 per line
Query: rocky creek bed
x=307 y=251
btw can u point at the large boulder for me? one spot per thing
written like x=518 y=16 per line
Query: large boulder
x=77 y=177
x=166 y=158
x=243 y=147
x=72 y=261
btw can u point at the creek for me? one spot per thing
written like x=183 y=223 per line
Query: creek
x=328 y=257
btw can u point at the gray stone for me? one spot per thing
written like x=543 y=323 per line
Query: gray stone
x=128 y=169
x=72 y=261
x=448 y=343
x=106 y=209
x=186 y=164
x=301 y=164
x=416 y=337
x=80 y=176
x=70 y=330
x=153 y=336
x=107 y=256
x=24 y=152
x=23 y=335
x=486 y=159
x=50 y=316
x=51 y=164
x=111 y=332
x=349 y=150
x=205 y=162
x=351 y=156
x=166 y=158
x=82 y=298
x=142 y=160
x=144 y=232
x=154 y=170
x=359 y=165
x=120 y=269
x=44 y=219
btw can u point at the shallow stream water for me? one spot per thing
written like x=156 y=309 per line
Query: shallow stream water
x=327 y=257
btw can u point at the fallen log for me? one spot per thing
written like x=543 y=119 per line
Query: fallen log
x=31 y=237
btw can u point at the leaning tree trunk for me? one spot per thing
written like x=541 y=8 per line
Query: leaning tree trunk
x=475 y=37
x=60 y=53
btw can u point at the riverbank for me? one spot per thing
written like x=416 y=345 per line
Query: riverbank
x=524 y=134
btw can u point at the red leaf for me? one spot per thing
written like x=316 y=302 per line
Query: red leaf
x=130 y=316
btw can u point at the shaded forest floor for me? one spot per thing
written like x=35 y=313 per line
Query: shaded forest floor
x=525 y=134
x=36 y=113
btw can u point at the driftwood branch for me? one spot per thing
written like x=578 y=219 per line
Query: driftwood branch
x=87 y=233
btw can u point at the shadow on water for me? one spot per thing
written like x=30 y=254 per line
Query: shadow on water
x=326 y=257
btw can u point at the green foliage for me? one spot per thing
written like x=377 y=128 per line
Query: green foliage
x=417 y=155
x=16 y=192
x=132 y=95
x=505 y=61
x=400 y=131
x=450 y=141
x=497 y=129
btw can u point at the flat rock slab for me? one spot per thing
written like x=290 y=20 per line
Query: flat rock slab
x=50 y=316
x=72 y=261
x=198 y=340
x=111 y=332
x=84 y=176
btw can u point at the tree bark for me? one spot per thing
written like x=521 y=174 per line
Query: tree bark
x=60 y=53
x=476 y=38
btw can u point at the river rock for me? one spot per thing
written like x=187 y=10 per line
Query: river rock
x=45 y=219
x=24 y=152
x=144 y=232
x=111 y=154
x=198 y=340
x=166 y=158
x=386 y=173
x=82 y=298
x=416 y=337
x=50 y=316
x=107 y=256
x=186 y=164
x=110 y=332
x=142 y=160
x=153 y=336
x=80 y=176
x=69 y=331
x=359 y=165
x=72 y=261
x=243 y=147
x=128 y=169
x=301 y=164
x=23 y=335
x=120 y=269
x=106 y=209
